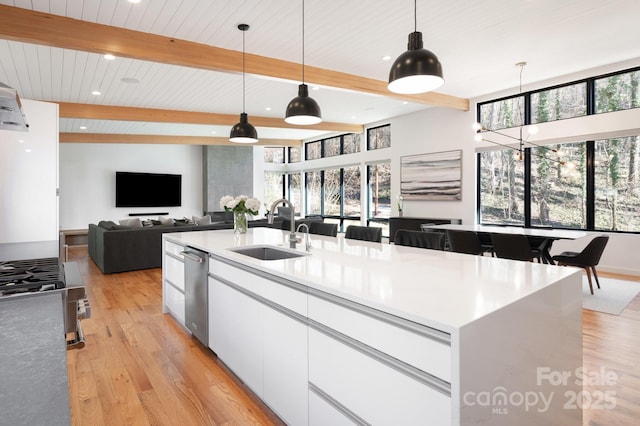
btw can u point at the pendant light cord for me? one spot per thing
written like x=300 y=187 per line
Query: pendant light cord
x=520 y=89
x=302 y=41
x=415 y=16
x=243 y=74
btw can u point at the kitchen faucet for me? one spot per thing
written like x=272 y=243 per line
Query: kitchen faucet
x=307 y=237
x=293 y=239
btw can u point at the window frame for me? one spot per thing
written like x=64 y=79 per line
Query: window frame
x=590 y=151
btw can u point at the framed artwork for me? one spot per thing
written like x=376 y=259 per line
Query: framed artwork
x=435 y=176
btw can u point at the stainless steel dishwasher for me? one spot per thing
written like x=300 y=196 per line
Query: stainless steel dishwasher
x=196 y=294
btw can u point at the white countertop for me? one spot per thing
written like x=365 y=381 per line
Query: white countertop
x=439 y=289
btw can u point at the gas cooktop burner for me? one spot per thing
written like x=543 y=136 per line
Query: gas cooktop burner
x=31 y=275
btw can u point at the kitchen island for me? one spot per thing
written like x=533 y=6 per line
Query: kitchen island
x=356 y=332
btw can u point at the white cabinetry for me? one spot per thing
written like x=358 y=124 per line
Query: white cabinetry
x=351 y=369
x=255 y=330
x=173 y=281
x=285 y=366
x=235 y=332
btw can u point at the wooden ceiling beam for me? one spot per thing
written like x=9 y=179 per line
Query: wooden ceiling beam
x=114 y=138
x=58 y=31
x=120 y=113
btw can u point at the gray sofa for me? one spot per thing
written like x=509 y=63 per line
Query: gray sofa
x=115 y=248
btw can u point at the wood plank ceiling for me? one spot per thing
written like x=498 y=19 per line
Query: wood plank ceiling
x=178 y=62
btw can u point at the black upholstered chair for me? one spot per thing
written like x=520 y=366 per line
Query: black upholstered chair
x=426 y=240
x=514 y=247
x=466 y=242
x=588 y=258
x=321 y=228
x=364 y=233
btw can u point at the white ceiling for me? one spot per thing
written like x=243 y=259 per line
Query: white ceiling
x=477 y=42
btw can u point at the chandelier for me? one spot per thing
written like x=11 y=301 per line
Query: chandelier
x=507 y=140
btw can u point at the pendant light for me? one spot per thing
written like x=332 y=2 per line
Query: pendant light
x=417 y=70
x=243 y=132
x=302 y=109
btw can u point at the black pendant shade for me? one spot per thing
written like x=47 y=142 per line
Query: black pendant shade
x=302 y=109
x=417 y=70
x=243 y=132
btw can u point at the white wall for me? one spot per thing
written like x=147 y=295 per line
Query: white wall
x=87 y=179
x=28 y=180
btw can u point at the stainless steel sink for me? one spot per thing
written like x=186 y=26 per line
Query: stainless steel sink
x=267 y=252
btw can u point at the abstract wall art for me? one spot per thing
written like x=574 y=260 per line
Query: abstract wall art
x=434 y=176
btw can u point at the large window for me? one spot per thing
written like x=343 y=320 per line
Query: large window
x=274 y=155
x=332 y=193
x=559 y=194
x=502 y=113
x=558 y=186
x=273 y=188
x=559 y=103
x=335 y=194
x=295 y=154
x=313 y=150
x=589 y=185
x=379 y=195
x=501 y=188
x=351 y=189
x=617 y=190
x=617 y=92
x=314 y=192
x=351 y=143
x=379 y=137
x=331 y=147
x=295 y=189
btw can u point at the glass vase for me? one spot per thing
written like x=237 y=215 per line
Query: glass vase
x=239 y=223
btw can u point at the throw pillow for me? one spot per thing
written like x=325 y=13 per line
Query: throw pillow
x=204 y=220
x=131 y=223
x=165 y=220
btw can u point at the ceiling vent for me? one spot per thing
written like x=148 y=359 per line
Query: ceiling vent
x=11 y=115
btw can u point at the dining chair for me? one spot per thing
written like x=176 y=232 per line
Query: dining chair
x=364 y=233
x=321 y=228
x=421 y=239
x=514 y=247
x=466 y=242
x=588 y=258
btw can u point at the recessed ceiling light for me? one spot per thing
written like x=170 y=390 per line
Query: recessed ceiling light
x=268 y=109
x=27 y=150
x=404 y=102
x=213 y=132
x=386 y=58
x=315 y=88
x=109 y=57
x=96 y=93
x=134 y=1
x=130 y=80
x=353 y=117
x=83 y=127
x=20 y=141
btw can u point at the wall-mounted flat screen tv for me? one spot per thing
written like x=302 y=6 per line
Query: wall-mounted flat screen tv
x=148 y=190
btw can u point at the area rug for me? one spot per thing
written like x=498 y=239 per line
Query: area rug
x=611 y=298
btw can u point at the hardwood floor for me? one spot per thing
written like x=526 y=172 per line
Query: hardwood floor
x=140 y=368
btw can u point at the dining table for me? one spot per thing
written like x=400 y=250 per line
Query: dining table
x=542 y=238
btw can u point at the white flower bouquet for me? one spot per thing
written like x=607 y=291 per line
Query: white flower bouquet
x=240 y=204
